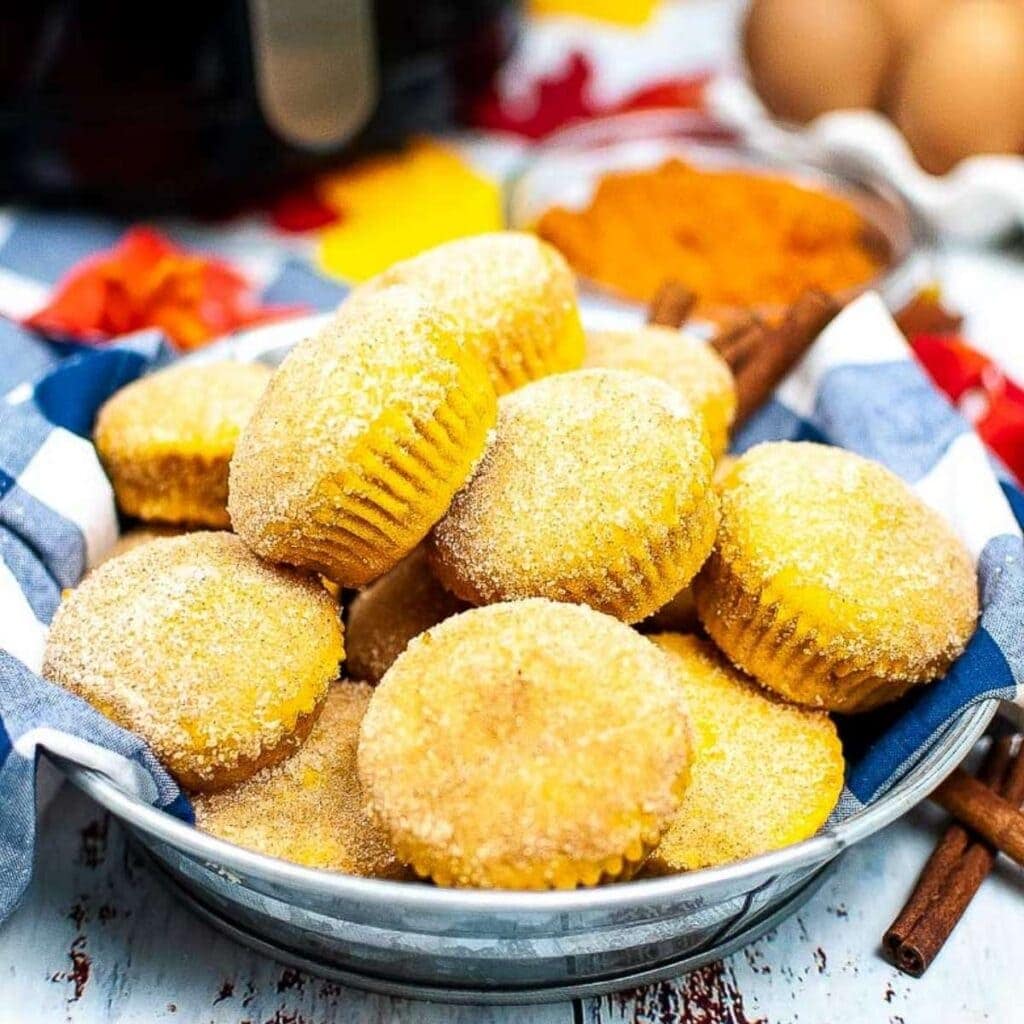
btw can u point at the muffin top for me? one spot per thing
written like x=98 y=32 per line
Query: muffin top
x=588 y=476
x=182 y=410
x=525 y=745
x=847 y=543
x=684 y=362
x=766 y=773
x=210 y=654
x=512 y=295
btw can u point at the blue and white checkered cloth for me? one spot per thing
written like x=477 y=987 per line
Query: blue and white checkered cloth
x=858 y=387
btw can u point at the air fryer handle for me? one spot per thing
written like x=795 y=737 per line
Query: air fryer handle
x=316 y=68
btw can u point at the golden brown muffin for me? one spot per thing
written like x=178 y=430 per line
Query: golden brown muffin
x=309 y=809
x=596 y=489
x=765 y=773
x=363 y=436
x=512 y=295
x=684 y=362
x=215 y=658
x=529 y=745
x=384 y=617
x=166 y=440
x=831 y=582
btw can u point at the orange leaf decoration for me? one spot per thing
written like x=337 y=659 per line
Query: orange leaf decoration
x=147 y=281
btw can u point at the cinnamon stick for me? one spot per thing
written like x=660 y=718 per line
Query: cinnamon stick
x=956 y=868
x=737 y=342
x=993 y=817
x=923 y=925
x=768 y=360
x=672 y=305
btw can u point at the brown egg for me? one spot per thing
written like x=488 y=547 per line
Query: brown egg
x=961 y=90
x=807 y=57
x=906 y=19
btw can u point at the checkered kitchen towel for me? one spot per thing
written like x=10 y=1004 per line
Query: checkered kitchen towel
x=857 y=387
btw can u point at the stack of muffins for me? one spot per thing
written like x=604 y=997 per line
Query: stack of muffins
x=576 y=649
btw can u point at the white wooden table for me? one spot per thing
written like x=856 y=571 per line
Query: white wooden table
x=98 y=940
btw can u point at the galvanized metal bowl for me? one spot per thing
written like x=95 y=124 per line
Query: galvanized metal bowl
x=495 y=947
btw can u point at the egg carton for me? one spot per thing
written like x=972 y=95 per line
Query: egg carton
x=978 y=202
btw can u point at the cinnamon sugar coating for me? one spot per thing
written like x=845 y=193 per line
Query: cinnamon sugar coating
x=309 y=809
x=528 y=745
x=217 y=659
x=166 y=440
x=512 y=296
x=387 y=614
x=682 y=361
x=365 y=433
x=831 y=582
x=766 y=773
x=595 y=489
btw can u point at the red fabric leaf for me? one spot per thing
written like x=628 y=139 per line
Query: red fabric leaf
x=563 y=97
x=962 y=372
x=147 y=281
x=952 y=364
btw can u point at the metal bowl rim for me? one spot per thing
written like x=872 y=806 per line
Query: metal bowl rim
x=188 y=839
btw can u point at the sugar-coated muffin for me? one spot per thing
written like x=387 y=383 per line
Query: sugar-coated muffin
x=512 y=295
x=595 y=489
x=388 y=613
x=686 y=363
x=309 y=809
x=363 y=436
x=765 y=774
x=528 y=745
x=218 y=660
x=166 y=440
x=831 y=582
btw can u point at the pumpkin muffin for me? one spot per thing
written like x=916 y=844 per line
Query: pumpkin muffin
x=512 y=296
x=219 y=661
x=387 y=614
x=529 y=745
x=765 y=774
x=309 y=809
x=596 y=489
x=831 y=582
x=363 y=436
x=684 y=362
x=166 y=440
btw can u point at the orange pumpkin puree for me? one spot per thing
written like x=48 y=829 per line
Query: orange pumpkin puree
x=735 y=238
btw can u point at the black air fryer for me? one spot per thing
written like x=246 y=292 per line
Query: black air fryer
x=204 y=104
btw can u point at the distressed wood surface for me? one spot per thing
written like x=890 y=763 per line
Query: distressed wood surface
x=98 y=940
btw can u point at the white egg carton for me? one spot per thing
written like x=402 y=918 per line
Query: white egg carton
x=978 y=202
